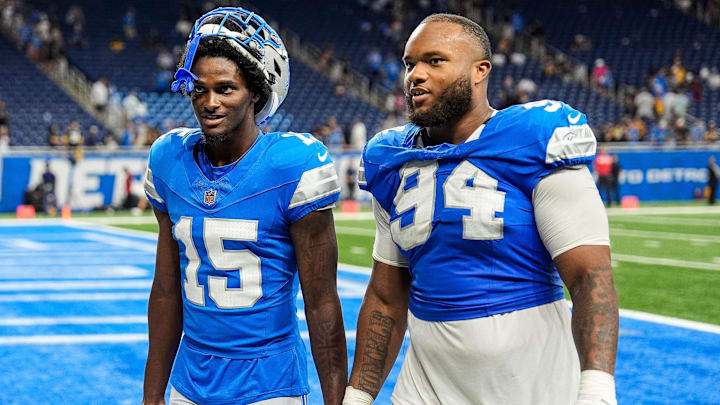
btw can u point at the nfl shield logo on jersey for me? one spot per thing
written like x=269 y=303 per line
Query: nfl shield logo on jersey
x=210 y=197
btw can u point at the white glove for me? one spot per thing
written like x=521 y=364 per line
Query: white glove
x=596 y=388
x=356 y=397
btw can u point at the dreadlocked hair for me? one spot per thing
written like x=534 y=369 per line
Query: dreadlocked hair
x=217 y=46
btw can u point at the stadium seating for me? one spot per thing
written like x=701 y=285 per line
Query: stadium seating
x=350 y=29
x=353 y=31
x=632 y=37
x=599 y=109
x=311 y=99
x=34 y=101
x=132 y=68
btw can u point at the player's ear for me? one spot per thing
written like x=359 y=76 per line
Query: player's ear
x=481 y=71
x=255 y=98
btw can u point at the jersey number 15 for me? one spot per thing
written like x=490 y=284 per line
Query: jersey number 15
x=215 y=231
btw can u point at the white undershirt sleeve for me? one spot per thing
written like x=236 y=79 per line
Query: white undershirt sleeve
x=384 y=249
x=569 y=212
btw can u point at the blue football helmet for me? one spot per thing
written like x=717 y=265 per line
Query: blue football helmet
x=255 y=40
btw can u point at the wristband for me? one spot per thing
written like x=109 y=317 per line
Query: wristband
x=596 y=388
x=355 y=396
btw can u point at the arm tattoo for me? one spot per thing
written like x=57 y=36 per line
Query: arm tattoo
x=325 y=348
x=376 y=350
x=316 y=253
x=595 y=320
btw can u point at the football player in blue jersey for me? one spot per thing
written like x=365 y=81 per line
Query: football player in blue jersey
x=481 y=216
x=244 y=219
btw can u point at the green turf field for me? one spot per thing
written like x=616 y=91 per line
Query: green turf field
x=665 y=262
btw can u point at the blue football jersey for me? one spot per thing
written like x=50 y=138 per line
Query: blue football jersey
x=462 y=215
x=241 y=340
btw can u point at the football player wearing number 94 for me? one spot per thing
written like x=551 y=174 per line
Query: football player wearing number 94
x=481 y=216
x=242 y=215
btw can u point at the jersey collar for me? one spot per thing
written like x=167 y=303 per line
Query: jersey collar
x=476 y=134
x=422 y=138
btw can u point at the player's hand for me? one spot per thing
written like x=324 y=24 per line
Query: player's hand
x=596 y=388
x=161 y=402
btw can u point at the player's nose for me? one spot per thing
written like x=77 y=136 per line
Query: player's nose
x=416 y=75
x=212 y=102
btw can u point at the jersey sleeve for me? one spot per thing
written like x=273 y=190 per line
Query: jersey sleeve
x=152 y=192
x=552 y=135
x=318 y=186
x=156 y=189
x=361 y=178
x=571 y=140
x=377 y=166
x=384 y=249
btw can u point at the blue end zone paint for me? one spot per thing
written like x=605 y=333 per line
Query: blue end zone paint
x=666 y=364
x=657 y=363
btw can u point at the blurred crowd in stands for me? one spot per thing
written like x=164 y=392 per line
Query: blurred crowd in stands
x=39 y=32
x=128 y=110
x=4 y=128
x=708 y=11
x=656 y=112
x=352 y=137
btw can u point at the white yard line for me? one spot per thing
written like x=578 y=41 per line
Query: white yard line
x=351 y=268
x=32 y=222
x=119 y=242
x=669 y=221
x=150 y=236
x=147 y=220
x=349 y=334
x=101 y=338
x=664 y=211
x=73 y=320
x=73 y=339
x=349 y=230
x=69 y=271
x=24 y=244
x=356 y=216
x=666 y=320
x=665 y=262
x=129 y=220
x=690 y=237
x=74 y=297
x=75 y=285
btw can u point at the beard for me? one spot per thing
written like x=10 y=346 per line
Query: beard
x=215 y=139
x=452 y=103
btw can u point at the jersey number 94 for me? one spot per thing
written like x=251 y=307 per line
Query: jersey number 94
x=467 y=187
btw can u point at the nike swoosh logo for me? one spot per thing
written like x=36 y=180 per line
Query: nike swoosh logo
x=323 y=156
x=574 y=120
